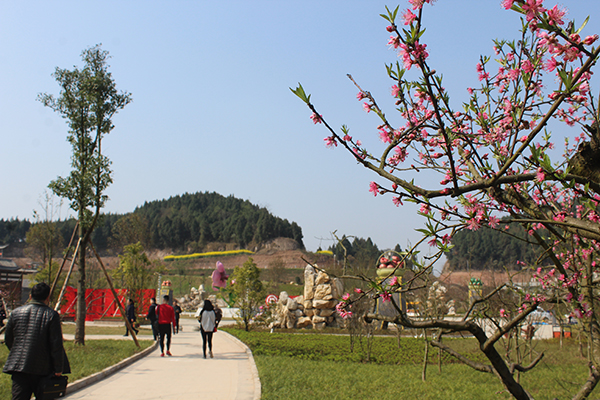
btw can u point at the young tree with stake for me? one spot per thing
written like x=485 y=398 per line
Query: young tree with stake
x=88 y=100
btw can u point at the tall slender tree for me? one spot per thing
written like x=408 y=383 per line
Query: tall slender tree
x=88 y=100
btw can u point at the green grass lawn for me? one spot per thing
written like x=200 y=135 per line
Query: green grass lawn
x=308 y=366
x=105 y=330
x=85 y=360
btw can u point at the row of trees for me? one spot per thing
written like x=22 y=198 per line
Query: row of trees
x=182 y=223
x=13 y=230
x=490 y=249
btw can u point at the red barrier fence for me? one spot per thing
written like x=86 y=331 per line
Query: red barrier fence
x=101 y=303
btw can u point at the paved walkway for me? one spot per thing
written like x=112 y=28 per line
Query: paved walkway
x=230 y=375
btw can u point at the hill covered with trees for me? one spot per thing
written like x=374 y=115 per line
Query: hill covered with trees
x=193 y=220
x=181 y=223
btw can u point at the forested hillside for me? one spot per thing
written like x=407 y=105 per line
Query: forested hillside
x=13 y=230
x=197 y=219
x=486 y=249
x=182 y=223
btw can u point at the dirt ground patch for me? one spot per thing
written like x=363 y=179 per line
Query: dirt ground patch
x=489 y=278
x=265 y=258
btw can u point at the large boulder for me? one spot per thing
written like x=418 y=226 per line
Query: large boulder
x=292 y=305
x=290 y=321
x=320 y=326
x=303 y=322
x=337 y=288
x=320 y=304
x=283 y=298
x=309 y=282
x=322 y=277
x=326 y=312
x=323 y=292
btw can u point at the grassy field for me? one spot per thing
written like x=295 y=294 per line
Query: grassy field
x=85 y=360
x=105 y=330
x=308 y=366
x=274 y=281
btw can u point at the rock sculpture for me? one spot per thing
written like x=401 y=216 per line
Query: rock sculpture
x=316 y=308
x=193 y=300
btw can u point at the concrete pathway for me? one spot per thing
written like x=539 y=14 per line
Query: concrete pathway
x=230 y=375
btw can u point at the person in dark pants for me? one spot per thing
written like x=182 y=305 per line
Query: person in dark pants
x=34 y=338
x=2 y=314
x=151 y=316
x=131 y=317
x=177 y=310
x=166 y=318
x=208 y=323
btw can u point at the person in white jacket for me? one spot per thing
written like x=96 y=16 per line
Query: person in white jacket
x=208 y=324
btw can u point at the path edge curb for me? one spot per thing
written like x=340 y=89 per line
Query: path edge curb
x=108 y=371
x=253 y=369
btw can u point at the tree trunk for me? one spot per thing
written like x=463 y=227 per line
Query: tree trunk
x=514 y=388
x=81 y=287
x=424 y=371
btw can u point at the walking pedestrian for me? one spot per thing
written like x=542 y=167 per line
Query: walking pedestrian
x=166 y=318
x=218 y=315
x=131 y=317
x=177 y=310
x=151 y=316
x=34 y=337
x=2 y=314
x=208 y=324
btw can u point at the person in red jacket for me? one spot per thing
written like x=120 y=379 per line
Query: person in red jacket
x=166 y=317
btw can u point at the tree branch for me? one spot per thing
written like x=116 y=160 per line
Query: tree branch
x=475 y=365
x=520 y=368
x=590 y=383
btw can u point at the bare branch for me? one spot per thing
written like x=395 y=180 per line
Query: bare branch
x=475 y=365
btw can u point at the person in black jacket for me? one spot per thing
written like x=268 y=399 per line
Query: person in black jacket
x=34 y=337
x=130 y=311
x=151 y=316
x=177 y=310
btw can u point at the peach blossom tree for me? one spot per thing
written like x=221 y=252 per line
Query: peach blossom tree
x=523 y=149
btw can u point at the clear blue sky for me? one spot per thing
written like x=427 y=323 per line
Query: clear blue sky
x=212 y=109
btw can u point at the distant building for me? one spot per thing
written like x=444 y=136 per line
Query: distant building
x=15 y=282
x=11 y=280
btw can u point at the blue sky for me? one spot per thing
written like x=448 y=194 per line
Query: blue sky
x=212 y=109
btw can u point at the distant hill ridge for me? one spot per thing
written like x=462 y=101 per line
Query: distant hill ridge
x=181 y=224
x=191 y=221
